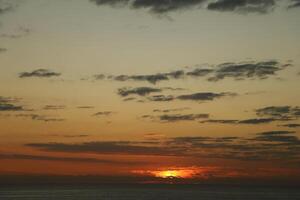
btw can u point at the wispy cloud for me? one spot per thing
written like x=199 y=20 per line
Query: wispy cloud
x=248 y=70
x=39 y=73
x=65 y=159
x=38 y=117
x=10 y=104
x=141 y=91
x=17 y=33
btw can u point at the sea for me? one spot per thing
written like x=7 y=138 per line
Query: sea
x=149 y=192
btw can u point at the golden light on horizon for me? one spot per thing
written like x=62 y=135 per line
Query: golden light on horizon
x=169 y=174
x=183 y=173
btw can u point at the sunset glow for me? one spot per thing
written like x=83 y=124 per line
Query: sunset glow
x=147 y=91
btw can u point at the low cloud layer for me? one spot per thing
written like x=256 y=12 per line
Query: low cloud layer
x=271 y=145
x=65 y=159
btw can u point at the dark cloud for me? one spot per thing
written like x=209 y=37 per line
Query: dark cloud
x=267 y=133
x=43 y=118
x=6 y=6
x=271 y=145
x=278 y=136
x=295 y=4
x=204 y=96
x=154 y=6
x=165 y=6
x=220 y=121
x=64 y=159
x=104 y=113
x=260 y=6
x=266 y=115
x=291 y=125
x=238 y=71
x=85 y=107
x=200 y=72
x=141 y=91
x=181 y=117
x=40 y=73
x=161 y=98
x=257 y=121
x=252 y=121
x=280 y=112
x=54 y=107
x=109 y=147
x=99 y=76
x=10 y=107
x=246 y=70
x=171 y=110
x=154 y=78
x=2 y=50
x=10 y=104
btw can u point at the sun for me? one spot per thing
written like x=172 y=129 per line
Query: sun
x=169 y=174
x=174 y=173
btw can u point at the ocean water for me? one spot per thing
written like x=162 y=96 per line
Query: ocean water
x=148 y=192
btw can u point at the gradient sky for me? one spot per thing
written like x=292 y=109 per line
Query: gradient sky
x=195 y=89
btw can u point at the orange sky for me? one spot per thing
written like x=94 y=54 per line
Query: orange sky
x=175 y=92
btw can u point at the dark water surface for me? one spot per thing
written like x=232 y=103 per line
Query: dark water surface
x=149 y=192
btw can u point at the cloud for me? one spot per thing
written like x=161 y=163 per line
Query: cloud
x=154 y=6
x=54 y=107
x=259 y=6
x=268 y=133
x=165 y=6
x=152 y=78
x=280 y=112
x=181 y=117
x=6 y=6
x=2 y=50
x=247 y=70
x=141 y=91
x=10 y=104
x=257 y=121
x=278 y=136
x=204 y=96
x=104 y=113
x=161 y=98
x=40 y=73
x=276 y=146
x=107 y=147
x=145 y=91
x=221 y=121
x=295 y=4
x=17 y=33
x=250 y=70
x=199 y=72
x=10 y=107
x=170 y=110
x=65 y=159
x=251 y=121
x=85 y=107
x=291 y=125
x=43 y=118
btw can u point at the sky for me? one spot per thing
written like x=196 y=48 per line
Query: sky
x=150 y=91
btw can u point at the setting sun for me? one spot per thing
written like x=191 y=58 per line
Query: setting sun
x=169 y=174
